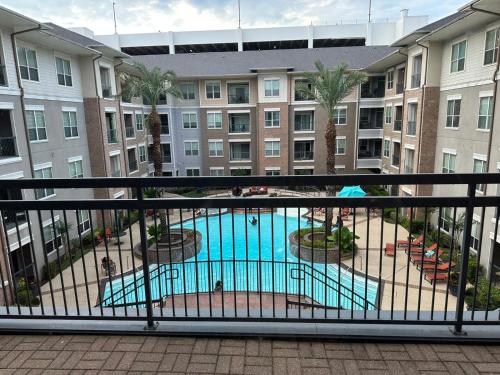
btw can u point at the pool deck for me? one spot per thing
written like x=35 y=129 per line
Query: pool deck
x=383 y=267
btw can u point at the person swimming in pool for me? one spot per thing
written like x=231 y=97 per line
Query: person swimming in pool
x=253 y=221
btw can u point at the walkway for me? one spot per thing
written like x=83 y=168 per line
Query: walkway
x=134 y=355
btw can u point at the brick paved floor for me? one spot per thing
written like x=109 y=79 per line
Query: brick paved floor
x=115 y=354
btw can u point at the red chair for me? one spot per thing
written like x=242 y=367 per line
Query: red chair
x=434 y=278
x=416 y=242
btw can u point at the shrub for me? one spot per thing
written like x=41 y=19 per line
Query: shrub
x=273 y=194
x=155 y=234
x=134 y=217
x=24 y=295
x=50 y=271
x=149 y=193
x=472 y=269
x=482 y=301
x=346 y=240
x=375 y=190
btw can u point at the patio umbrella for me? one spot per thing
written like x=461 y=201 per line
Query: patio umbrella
x=351 y=191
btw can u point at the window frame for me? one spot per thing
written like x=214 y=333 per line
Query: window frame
x=212 y=83
x=451 y=118
x=340 y=113
x=344 y=139
x=37 y=127
x=272 y=123
x=44 y=193
x=273 y=149
x=75 y=161
x=64 y=73
x=188 y=84
x=55 y=241
x=191 y=170
x=447 y=168
x=488 y=117
x=274 y=92
x=209 y=114
x=71 y=126
x=27 y=66
x=388 y=114
x=145 y=155
x=190 y=151
x=190 y=122
x=495 y=46
x=388 y=149
x=458 y=59
x=390 y=82
x=139 y=115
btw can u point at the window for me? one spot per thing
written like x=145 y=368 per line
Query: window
x=458 y=56
x=28 y=65
x=485 y=113
x=36 y=125
x=272 y=148
x=216 y=172
x=189 y=121
x=388 y=115
x=491 y=47
x=105 y=74
x=416 y=74
x=412 y=119
x=390 y=80
x=272 y=119
x=52 y=237
x=396 y=154
x=75 y=169
x=139 y=122
x=475 y=235
x=446 y=219
x=409 y=159
x=453 y=113
x=340 y=116
x=63 y=68
x=166 y=154
x=70 y=125
x=191 y=172
x=304 y=121
x=44 y=173
x=215 y=149
x=480 y=166
x=115 y=166
x=187 y=91
x=272 y=172
x=272 y=87
x=129 y=125
x=303 y=84
x=214 y=120
x=83 y=221
x=191 y=148
x=212 y=90
x=303 y=150
x=387 y=148
x=111 y=127
x=449 y=161
x=142 y=154
x=340 y=146
x=164 y=128
x=132 y=160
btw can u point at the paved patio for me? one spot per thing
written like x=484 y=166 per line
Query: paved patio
x=137 y=355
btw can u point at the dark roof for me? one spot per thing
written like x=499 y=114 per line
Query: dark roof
x=240 y=63
x=72 y=36
x=442 y=22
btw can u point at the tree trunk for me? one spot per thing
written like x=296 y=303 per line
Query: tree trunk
x=331 y=138
x=158 y=164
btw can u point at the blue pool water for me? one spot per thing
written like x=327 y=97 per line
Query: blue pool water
x=263 y=263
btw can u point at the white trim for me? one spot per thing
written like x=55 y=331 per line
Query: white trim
x=409 y=146
x=15 y=245
x=75 y=158
x=34 y=107
x=340 y=137
x=398 y=104
x=49 y=221
x=465 y=85
x=340 y=166
x=37 y=167
x=454 y=97
x=303 y=166
x=10 y=160
x=479 y=157
x=449 y=151
x=303 y=139
x=54 y=98
x=128 y=112
x=341 y=107
x=396 y=140
x=6 y=105
x=216 y=168
x=271 y=109
x=247 y=140
x=273 y=139
x=238 y=111
x=12 y=176
x=110 y=109
x=130 y=147
x=485 y=94
x=273 y=168
x=242 y=166
x=69 y=109
x=304 y=109
x=119 y=194
x=115 y=152
x=407 y=190
x=214 y=112
x=412 y=100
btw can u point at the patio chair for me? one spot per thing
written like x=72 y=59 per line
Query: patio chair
x=434 y=278
x=390 y=249
x=419 y=259
x=420 y=250
x=416 y=242
x=442 y=267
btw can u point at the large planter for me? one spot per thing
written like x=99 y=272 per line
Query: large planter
x=314 y=254
x=182 y=245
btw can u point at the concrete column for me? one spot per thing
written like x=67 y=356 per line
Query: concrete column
x=171 y=44
x=369 y=39
x=240 y=39
x=310 y=36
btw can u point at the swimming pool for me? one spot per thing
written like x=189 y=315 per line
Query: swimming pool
x=262 y=263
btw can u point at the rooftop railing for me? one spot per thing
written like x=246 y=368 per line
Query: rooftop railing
x=387 y=261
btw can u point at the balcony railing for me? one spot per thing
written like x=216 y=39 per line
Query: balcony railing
x=129 y=132
x=416 y=80
x=367 y=124
x=237 y=156
x=412 y=128
x=238 y=99
x=8 y=147
x=398 y=124
x=112 y=136
x=216 y=266
x=239 y=128
x=303 y=155
x=400 y=87
x=132 y=165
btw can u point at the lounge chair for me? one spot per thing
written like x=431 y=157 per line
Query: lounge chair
x=421 y=258
x=420 y=250
x=442 y=267
x=390 y=249
x=416 y=242
x=432 y=278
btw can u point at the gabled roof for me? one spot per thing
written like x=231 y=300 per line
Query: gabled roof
x=247 y=62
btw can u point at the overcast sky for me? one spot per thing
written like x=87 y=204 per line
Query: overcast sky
x=176 y=15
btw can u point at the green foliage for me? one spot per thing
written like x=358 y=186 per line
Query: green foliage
x=345 y=241
x=150 y=193
x=454 y=278
x=375 y=191
x=482 y=301
x=155 y=233
x=272 y=195
x=317 y=243
x=134 y=217
x=24 y=295
x=472 y=269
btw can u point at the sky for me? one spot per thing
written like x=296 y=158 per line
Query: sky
x=135 y=16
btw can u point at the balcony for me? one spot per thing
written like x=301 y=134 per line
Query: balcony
x=239 y=151
x=261 y=279
x=303 y=155
x=8 y=147
x=374 y=87
x=238 y=93
x=369 y=164
x=239 y=123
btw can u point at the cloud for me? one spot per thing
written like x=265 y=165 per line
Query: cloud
x=153 y=15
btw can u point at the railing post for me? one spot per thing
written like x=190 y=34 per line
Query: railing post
x=151 y=325
x=464 y=260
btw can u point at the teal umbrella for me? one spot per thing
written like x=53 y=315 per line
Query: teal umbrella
x=351 y=191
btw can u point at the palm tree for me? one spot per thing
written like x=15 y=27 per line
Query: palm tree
x=328 y=88
x=151 y=85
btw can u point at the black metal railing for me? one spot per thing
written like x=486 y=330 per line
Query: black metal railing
x=238 y=98
x=8 y=147
x=264 y=258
